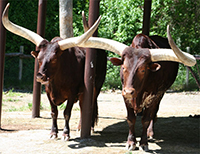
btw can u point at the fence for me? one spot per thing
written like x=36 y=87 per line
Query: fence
x=21 y=56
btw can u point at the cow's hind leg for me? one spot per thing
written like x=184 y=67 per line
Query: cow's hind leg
x=95 y=108
x=150 y=132
x=67 y=115
x=54 y=115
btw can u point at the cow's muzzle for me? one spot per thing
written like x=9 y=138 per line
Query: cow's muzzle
x=42 y=78
x=129 y=93
x=130 y=96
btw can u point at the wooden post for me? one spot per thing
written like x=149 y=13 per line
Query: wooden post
x=66 y=18
x=21 y=51
x=146 y=17
x=187 y=70
x=2 y=52
x=89 y=76
x=36 y=85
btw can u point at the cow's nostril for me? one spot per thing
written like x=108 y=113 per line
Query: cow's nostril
x=129 y=91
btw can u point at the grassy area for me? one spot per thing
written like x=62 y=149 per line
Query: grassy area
x=22 y=101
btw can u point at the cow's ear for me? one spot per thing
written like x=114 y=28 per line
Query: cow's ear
x=116 y=61
x=34 y=53
x=59 y=52
x=154 y=67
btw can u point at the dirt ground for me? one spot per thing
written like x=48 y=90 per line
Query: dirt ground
x=177 y=129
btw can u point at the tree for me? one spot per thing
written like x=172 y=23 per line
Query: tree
x=66 y=18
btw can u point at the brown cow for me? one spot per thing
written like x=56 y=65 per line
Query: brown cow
x=145 y=74
x=61 y=70
x=144 y=81
x=143 y=41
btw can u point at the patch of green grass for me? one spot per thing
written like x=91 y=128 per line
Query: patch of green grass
x=12 y=109
x=30 y=105
x=62 y=106
x=11 y=93
x=76 y=109
x=10 y=100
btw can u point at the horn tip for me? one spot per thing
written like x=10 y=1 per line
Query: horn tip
x=7 y=6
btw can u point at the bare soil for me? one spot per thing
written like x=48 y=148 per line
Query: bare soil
x=177 y=129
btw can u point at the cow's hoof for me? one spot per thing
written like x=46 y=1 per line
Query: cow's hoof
x=78 y=130
x=53 y=136
x=144 y=148
x=65 y=137
x=131 y=146
x=151 y=139
x=92 y=129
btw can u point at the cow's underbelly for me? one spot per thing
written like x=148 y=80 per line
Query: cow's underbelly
x=57 y=97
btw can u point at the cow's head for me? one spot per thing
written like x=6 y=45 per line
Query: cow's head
x=47 y=56
x=48 y=52
x=135 y=65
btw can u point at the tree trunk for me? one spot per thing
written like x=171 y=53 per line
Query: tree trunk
x=66 y=18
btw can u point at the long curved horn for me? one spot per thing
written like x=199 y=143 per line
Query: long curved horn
x=101 y=43
x=185 y=58
x=164 y=55
x=174 y=54
x=77 y=41
x=85 y=23
x=18 y=30
x=156 y=54
x=105 y=44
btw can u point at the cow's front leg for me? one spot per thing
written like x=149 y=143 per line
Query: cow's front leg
x=131 y=118
x=54 y=128
x=145 y=123
x=67 y=115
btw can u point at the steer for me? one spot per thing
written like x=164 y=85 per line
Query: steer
x=146 y=74
x=167 y=75
x=61 y=70
x=145 y=78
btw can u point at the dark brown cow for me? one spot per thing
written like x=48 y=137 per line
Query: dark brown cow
x=61 y=70
x=146 y=74
x=144 y=83
x=150 y=90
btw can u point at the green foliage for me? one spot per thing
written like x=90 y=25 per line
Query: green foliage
x=112 y=77
x=121 y=21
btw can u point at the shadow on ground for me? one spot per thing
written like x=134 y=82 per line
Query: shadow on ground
x=172 y=135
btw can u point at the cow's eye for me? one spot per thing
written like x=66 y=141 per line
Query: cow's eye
x=54 y=61
x=124 y=69
x=42 y=45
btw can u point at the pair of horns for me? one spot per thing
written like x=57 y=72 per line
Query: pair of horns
x=85 y=40
x=37 y=39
